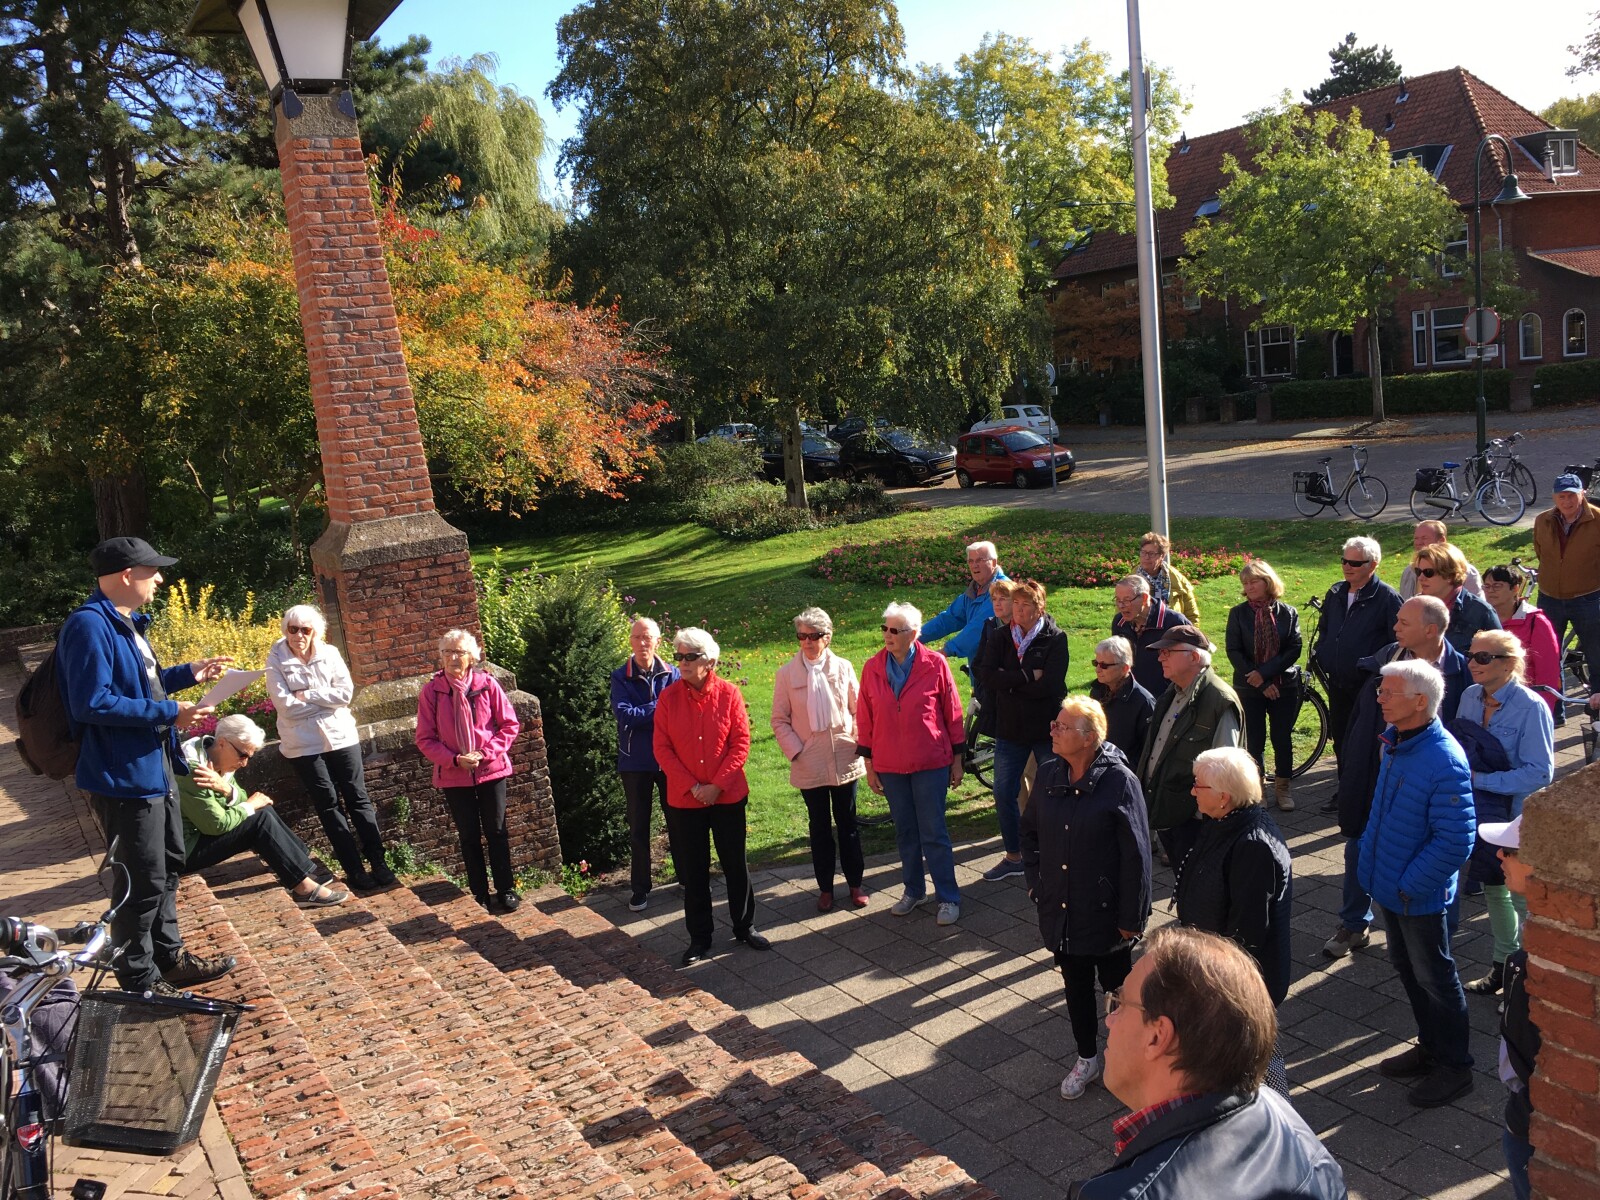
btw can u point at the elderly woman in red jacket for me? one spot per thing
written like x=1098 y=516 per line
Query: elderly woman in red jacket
x=465 y=727
x=909 y=729
x=702 y=742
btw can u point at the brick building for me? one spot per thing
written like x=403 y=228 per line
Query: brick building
x=1439 y=119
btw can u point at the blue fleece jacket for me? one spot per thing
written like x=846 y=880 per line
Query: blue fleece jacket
x=965 y=618
x=633 y=702
x=1422 y=823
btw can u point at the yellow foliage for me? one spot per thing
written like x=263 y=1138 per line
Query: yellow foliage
x=189 y=627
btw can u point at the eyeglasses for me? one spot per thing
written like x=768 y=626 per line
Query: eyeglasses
x=1058 y=727
x=244 y=754
x=696 y=656
x=1425 y=572
x=893 y=630
x=811 y=637
x=1483 y=658
x=1115 y=1001
x=300 y=629
x=1166 y=650
x=1105 y=666
x=1356 y=562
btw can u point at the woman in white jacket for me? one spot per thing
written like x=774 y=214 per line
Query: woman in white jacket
x=311 y=688
x=814 y=720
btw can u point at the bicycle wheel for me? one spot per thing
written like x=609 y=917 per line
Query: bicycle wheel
x=1367 y=497
x=1431 y=506
x=1310 y=732
x=1500 y=503
x=1574 y=664
x=979 y=762
x=1307 y=506
x=1522 y=479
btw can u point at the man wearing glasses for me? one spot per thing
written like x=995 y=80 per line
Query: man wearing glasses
x=1188 y=1039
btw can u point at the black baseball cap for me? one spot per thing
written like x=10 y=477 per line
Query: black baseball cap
x=1186 y=637
x=120 y=553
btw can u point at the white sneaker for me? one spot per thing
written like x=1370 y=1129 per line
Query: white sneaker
x=949 y=914
x=1084 y=1072
x=906 y=904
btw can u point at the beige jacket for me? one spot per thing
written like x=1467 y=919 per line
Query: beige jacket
x=823 y=759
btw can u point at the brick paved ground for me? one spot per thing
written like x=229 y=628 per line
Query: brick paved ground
x=960 y=1035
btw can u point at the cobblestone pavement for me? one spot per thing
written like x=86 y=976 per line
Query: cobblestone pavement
x=49 y=847
x=960 y=1035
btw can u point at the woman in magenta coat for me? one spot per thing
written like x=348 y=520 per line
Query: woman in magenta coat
x=465 y=727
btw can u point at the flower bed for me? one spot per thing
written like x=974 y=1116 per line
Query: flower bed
x=1060 y=559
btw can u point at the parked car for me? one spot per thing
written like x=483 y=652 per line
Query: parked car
x=896 y=456
x=1011 y=455
x=853 y=425
x=734 y=431
x=1029 y=416
x=820 y=454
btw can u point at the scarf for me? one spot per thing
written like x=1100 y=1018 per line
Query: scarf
x=897 y=671
x=461 y=707
x=1160 y=584
x=1023 y=640
x=1266 y=643
x=820 y=705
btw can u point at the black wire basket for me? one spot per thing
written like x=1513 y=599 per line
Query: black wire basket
x=143 y=1069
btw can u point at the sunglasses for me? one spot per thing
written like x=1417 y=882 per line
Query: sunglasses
x=1483 y=658
x=696 y=656
x=1425 y=572
x=811 y=637
x=1104 y=666
x=301 y=629
x=893 y=630
x=239 y=750
x=1356 y=562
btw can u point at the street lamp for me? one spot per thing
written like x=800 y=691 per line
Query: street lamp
x=1510 y=193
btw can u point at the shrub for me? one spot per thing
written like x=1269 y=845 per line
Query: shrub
x=190 y=627
x=838 y=501
x=37 y=593
x=562 y=634
x=687 y=472
x=1567 y=383
x=243 y=555
x=749 y=511
x=1435 y=392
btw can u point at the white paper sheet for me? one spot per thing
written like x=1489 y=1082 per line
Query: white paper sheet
x=231 y=683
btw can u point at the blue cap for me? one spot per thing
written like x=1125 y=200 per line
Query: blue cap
x=1567 y=483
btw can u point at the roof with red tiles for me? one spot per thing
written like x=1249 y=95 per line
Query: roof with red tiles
x=1585 y=260
x=1453 y=108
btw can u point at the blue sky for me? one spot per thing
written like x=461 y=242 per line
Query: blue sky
x=1229 y=58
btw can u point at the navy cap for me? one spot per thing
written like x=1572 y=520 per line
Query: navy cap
x=1567 y=483
x=120 y=553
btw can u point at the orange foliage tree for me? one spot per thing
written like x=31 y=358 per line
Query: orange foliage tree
x=1101 y=330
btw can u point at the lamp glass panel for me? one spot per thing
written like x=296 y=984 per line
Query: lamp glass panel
x=255 y=32
x=311 y=36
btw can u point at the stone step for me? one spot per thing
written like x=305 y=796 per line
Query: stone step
x=386 y=1086
x=834 y=1136
x=646 y=1119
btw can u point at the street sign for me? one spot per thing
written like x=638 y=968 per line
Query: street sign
x=1482 y=326
x=1485 y=352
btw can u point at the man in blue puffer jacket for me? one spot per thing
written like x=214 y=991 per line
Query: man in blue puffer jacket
x=1418 y=834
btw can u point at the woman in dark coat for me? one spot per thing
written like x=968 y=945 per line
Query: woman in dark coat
x=1086 y=855
x=1264 y=645
x=1238 y=880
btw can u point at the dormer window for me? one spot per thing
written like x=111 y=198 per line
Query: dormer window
x=1431 y=158
x=1557 y=147
x=1388 y=122
x=1209 y=208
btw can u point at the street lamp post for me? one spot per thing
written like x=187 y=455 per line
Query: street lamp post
x=1510 y=193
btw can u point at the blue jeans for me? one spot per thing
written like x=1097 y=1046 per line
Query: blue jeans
x=1419 y=948
x=1010 y=760
x=1517 y=1153
x=916 y=802
x=1355 y=911
x=1583 y=614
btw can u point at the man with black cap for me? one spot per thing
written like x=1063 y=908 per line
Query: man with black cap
x=116 y=696
x=1567 y=541
x=1197 y=712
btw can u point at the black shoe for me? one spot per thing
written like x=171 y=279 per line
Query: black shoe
x=1331 y=808
x=1490 y=984
x=383 y=877
x=360 y=881
x=484 y=903
x=1472 y=888
x=1442 y=1085
x=1407 y=1064
x=756 y=941
x=191 y=970
x=696 y=952
x=509 y=901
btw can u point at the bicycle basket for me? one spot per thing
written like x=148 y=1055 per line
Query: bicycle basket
x=1311 y=483
x=1430 y=478
x=1582 y=472
x=143 y=1069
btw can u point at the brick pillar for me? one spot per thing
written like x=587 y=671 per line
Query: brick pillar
x=392 y=574
x=1561 y=842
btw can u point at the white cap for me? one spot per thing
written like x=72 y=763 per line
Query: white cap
x=1507 y=834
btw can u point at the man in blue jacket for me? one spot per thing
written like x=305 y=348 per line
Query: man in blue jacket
x=635 y=687
x=971 y=609
x=116 y=696
x=1418 y=834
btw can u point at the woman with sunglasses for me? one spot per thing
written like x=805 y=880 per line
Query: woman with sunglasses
x=311 y=688
x=1441 y=572
x=1506 y=590
x=1519 y=720
x=814 y=698
x=702 y=741
x=220 y=820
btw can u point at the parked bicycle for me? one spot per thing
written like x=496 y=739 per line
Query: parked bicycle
x=1590 y=476
x=1436 y=496
x=1499 y=459
x=1573 y=663
x=1311 y=725
x=1364 y=495
x=979 y=761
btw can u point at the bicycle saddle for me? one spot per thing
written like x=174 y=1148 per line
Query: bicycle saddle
x=1324 y=461
x=1451 y=466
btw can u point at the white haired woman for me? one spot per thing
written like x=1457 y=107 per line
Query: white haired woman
x=1126 y=704
x=909 y=729
x=465 y=728
x=220 y=820
x=814 y=698
x=702 y=741
x=311 y=688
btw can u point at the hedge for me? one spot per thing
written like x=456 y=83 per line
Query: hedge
x=1440 y=391
x=1567 y=383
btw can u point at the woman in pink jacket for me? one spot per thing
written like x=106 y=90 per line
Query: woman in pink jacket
x=1506 y=590
x=909 y=729
x=465 y=727
x=814 y=720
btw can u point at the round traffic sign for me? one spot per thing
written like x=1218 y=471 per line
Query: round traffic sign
x=1482 y=326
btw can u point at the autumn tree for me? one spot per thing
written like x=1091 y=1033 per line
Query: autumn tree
x=1102 y=330
x=1320 y=227
x=1355 y=69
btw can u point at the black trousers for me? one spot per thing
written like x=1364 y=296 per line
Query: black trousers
x=262 y=833
x=1341 y=707
x=691 y=831
x=828 y=807
x=329 y=777
x=149 y=847
x=637 y=788
x=480 y=816
x=1277 y=716
x=1078 y=973
x=1179 y=840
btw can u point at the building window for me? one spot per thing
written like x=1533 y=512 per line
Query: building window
x=1209 y=208
x=1574 y=333
x=1269 y=351
x=1453 y=262
x=1449 y=335
x=1171 y=283
x=1564 y=154
x=1419 y=339
x=1530 y=336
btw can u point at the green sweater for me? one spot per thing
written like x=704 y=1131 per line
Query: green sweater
x=207 y=813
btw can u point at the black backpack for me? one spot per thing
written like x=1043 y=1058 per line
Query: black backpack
x=45 y=740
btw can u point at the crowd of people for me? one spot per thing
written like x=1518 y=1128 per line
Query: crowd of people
x=1442 y=695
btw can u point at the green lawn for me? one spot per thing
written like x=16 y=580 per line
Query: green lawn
x=747 y=594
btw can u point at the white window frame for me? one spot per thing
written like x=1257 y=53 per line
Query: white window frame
x=1453 y=262
x=1530 y=323
x=1436 y=327
x=1419 y=338
x=1255 y=343
x=1566 y=336
x=1565 y=158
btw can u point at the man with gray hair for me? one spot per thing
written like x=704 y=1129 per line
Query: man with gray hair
x=970 y=609
x=1143 y=620
x=1419 y=833
x=1357 y=615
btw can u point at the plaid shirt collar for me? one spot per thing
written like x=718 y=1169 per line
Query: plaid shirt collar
x=1125 y=1129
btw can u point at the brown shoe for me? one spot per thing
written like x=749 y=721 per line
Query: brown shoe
x=1281 y=786
x=189 y=970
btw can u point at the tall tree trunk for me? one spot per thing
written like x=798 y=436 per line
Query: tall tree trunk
x=121 y=504
x=794 y=463
x=1375 y=365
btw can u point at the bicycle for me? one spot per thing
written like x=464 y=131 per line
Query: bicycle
x=979 y=761
x=1311 y=725
x=1573 y=662
x=1590 y=476
x=1364 y=495
x=1435 y=496
x=1499 y=459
